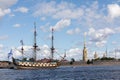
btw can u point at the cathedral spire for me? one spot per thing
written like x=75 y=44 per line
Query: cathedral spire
x=85 y=49
x=84 y=40
x=106 y=52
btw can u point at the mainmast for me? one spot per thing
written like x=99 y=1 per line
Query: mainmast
x=52 y=47
x=35 y=43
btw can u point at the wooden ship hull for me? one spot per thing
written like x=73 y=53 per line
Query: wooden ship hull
x=34 y=65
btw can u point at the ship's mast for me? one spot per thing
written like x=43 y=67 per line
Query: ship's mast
x=52 y=47
x=35 y=43
x=22 y=49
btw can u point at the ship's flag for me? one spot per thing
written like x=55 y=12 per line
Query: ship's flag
x=21 y=41
x=64 y=55
x=10 y=54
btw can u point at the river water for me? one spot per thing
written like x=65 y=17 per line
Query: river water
x=64 y=73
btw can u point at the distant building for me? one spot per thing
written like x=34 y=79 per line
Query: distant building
x=104 y=55
x=95 y=55
x=4 y=64
x=85 y=52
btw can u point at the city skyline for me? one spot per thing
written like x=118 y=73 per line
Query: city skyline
x=71 y=20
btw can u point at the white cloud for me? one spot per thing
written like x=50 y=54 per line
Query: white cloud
x=27 y=52
x=68 y=13
x=4 y=7
x=17 y=54
x=117 y=49
x=1 y=47
x=11 y=15
x=22 y=9
x=62 y=24
x=73 y=31
x=3 y=57
x=100 y=36
x=44 y=9
x=114 y=42
x=16 y=25
x=43 y=18
x=7 y=3
x=86 y=16
x=45 y=27
x=70 y=32
x=61 y=10
x=3 y=53
x=3 y=12
x=77 y=30
x=44 y=52
x=114 y=10
x=4 y=37
x=117 y=30
x=75 y=53
x=101 y=43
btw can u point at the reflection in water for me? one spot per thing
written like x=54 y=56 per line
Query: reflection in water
x=63 y=73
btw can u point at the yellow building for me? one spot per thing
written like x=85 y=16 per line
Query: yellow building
x=85 y=52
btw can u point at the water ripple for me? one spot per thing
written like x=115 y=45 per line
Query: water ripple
x=63 y=73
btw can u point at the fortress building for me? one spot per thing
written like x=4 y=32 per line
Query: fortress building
x=95 y=55
x=85 y=51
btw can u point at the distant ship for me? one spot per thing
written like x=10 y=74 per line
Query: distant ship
x=33 y=63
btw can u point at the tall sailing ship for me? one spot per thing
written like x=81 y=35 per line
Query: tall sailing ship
x=33 y=63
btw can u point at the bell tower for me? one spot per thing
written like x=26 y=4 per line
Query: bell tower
x=85 y=50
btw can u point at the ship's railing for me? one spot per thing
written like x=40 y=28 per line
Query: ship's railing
x=37 y=64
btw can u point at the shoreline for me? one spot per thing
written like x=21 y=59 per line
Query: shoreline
x=95 y=63
x=6 y=65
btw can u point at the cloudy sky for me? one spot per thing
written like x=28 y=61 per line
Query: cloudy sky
x=99 y=20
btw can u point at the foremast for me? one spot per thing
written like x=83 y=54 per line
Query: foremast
x=22 y=49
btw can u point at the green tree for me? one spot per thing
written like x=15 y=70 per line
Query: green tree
x=72 y=61
x=31 y=59
x=24 y=59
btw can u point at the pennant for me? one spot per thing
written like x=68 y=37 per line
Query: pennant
x=10 y=54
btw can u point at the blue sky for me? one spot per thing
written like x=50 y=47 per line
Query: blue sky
x=71 y=19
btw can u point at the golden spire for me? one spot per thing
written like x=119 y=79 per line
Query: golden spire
x=85 y=40
x=84 y=49
x=106 y=52
x=95 y=55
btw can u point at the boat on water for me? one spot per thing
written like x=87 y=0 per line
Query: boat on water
x=34 y=64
